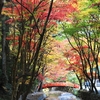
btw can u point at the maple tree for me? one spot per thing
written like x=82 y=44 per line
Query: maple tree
x=75 y=64
x=31 y=23
x=26 y=55
x=83 y=33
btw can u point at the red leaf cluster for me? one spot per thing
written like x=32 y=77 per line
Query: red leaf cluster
x=60 y=10
x=40 y=77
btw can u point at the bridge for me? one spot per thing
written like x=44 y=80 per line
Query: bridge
x=58 y=84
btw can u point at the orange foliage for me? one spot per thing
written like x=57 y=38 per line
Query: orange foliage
x=56 y=69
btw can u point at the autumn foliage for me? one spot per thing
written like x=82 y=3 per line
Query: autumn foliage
x=38 y=10
x=31 y=22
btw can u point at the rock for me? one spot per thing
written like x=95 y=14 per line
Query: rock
x=36 y=96
x=67 y=96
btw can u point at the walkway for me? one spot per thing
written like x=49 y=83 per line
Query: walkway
x=56 y=95
x=53 y=98
x=52 y=95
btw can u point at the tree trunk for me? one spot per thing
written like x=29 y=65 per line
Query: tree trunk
x=4 y=27
x=1 y=6
x=80 y=81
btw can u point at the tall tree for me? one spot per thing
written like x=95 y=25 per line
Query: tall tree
x=30 y=25
x=29 y=40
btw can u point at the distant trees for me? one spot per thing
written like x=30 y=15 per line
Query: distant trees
x=55 y=69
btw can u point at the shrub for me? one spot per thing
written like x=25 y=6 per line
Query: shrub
x=86 y=95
